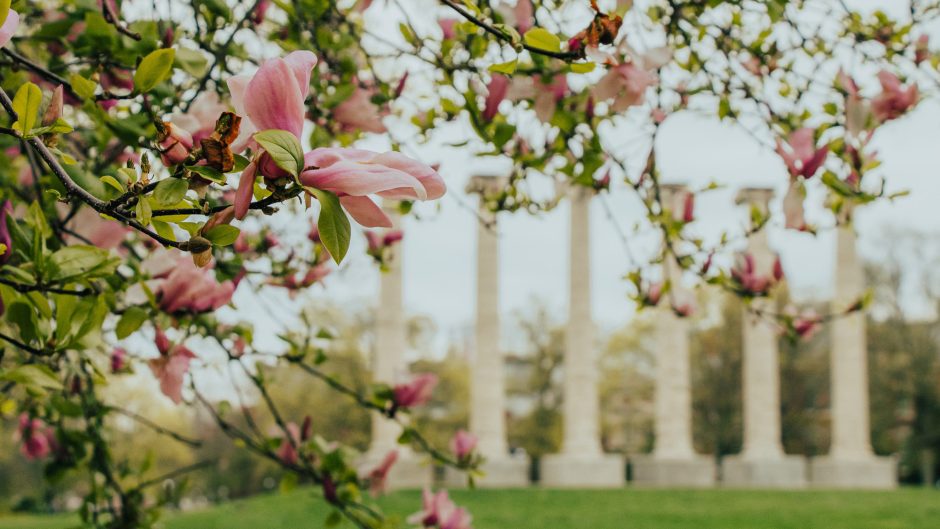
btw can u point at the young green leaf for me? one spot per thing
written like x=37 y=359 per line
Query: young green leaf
x=154 y=69
x=507 y=68
x=542 y=39
x=223 y=234
x=333 y=224
x=284 y=148
x=130 y=321
x=84 y=88
x=26 y=104
x=170 y=191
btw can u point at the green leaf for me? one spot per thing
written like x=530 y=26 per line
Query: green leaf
x=542 y=39
x=583 y=67
x=144 y=211
x=4 y=10
x=170 y=191
x=111 y=181
x=191 y=61
x=333 y=224
x=223 y=234
x=130 y=321
x=163 y=229
x=507 y=68
x=84 y=88
x=81 y=260
x=284 y=148
x=209 y=173
x=33 y=375
x=26 y=104
x=154 y=69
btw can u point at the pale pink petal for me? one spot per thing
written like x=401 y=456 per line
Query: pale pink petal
x=352 y=178
x=365 y=212
x=301 y=63
x=273 y=98
x=9 y=27
x=244 y=192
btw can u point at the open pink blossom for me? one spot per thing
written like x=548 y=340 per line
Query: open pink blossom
x=800 y=154
x=287 y=451
x=437 y=510
x=894 y=100
x=37 y=440
x=495 y=93
x=358 y=113
x=378 y=475
x=188 y=288
x=751 y=281
x=200 y=120
x=118 y=359
x=463 y=444
x=415 y=392
x=447 y=27
x=458 y=518
x=273 y=97
x=626 y=85
x=9 y=27
x=353 y=174
x=171 y=366
x=524 y=14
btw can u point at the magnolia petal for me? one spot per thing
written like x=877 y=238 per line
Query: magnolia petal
x=351 y=178
x=9 y=27
x=273 y=98
x=364 y=211
x=301 y=63
x=243 y=194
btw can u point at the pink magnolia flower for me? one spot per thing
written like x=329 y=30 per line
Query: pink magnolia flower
x=353 y=174
x=260 y=9
x=6 y=209
x=378 y=475
x=894 y=100
x=688 y=207
x=118 y=359
x=748 y=278
x=287 y=452
x=800 y=154
x=358 y=112
x=38 y=440
x=922 y=49
x=174 y=142
x=806 y=325
x=654 y=294
x=273 y=97
x=463 y=444
x=188 y=288
x=9 y=27
x=200 y=120
x=525 y=15
x=91 y=228
x=496 y=92
x=171 y=366
x=439 y=511
x=626 y=84
x=416 y=392
x=447 y=27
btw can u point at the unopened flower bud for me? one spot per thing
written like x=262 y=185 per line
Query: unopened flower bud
x=54 y=110
x=174 y=142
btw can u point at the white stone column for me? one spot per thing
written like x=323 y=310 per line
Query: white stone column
x=673 y=461
x=762 y=463
x=851 y=463
x=389 y=366
x=487 y=388
x=582 y=461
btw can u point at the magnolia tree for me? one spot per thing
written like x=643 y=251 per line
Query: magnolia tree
x=145 y=145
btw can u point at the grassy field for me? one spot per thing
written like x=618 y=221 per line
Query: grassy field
x=608 y=509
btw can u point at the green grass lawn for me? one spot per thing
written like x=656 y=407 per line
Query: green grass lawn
x=582 y=509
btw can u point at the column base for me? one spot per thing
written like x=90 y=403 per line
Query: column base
x=868 y=473
x=499 y=473
x=409 y=471
x=576 y=471
x=784 y=472
x=696 y=471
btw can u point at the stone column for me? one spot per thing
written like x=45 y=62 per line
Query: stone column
x=487 y=388
x=762 y=463
x=389 y=366
x=851 y=462
x=581 y=462
x=673 y=461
